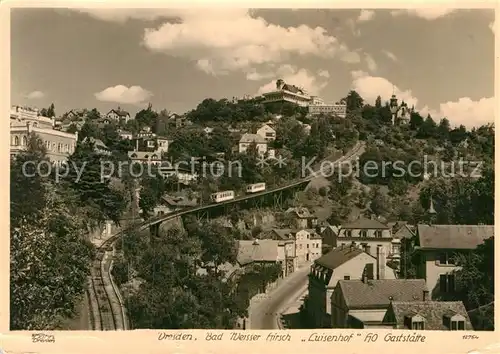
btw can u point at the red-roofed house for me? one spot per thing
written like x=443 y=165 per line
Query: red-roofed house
x=436 y=246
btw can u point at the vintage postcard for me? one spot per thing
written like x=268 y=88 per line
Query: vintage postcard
x=222 y=177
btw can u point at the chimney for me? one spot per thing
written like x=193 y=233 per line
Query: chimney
x=425 y=295
x=367 y=249
x=380 y=262
x=369 y=271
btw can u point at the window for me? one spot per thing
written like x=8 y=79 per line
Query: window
x=24 y=141
x=446 y=258
x=457 y=325
x=347 y=277
x=447 y=283
x=378 y=233
x=348 y=233
x=417 y=325
x=307 y=245
x=16 y=141
x=363 y=233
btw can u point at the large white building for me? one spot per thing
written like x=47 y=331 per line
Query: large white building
x=339 y=110
x=25 y=121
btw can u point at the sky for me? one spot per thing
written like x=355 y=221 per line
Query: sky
x=439 y=60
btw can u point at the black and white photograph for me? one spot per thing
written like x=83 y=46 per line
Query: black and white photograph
x=244 y=169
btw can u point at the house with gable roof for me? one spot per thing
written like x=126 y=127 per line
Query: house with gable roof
x=118 y=115
x=428 y=315
x=436 y=246
x=364 y=303
x=369 y=234
x=248 y=139
x=342 y=263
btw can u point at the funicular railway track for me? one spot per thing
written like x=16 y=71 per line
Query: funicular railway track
x=106 y=304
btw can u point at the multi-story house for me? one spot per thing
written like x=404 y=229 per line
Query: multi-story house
x=25 y=121
x=436 y=247
x=369 y=233
x=342 y=263
x=364 y=303
x=267 y=132
x=428 y=315
x=184 y=175
x=264 y=251
x=145 y=157
x=118 y=115
x=248 y=139
x=307 y=244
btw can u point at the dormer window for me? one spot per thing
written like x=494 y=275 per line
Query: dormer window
x=378 y=233
x=415 y=322
x=348 y=233
x=454 y=322
x=446 y=258
x=363 y=233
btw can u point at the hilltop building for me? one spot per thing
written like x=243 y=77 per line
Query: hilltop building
x=25 y=121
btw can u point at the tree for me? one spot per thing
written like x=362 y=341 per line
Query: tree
x=51 y=111
x=476 y=280
x=49 y=258
x=93 y=114
x=353 y=101
x=378 y=102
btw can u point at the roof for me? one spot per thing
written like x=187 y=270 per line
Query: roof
x=378 y=293
x=283 y=234
x=338 y=256
x=364 y=223
x=178 y=201
x=257 y=251
x=333 y=228
x=144 y=155
x=368 y=316
x=433 y=313
x=301 y=212
x=453 y=236
x=96 y=142
x=404 y=232
x=251 y=138
x=119 y=112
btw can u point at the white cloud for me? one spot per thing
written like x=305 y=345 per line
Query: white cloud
x=425 y=13
x=369 y=87
x=298 y=77
x=372 y=65
x=464 y=111
x=124 y=94
x=233 y=40
x=492 y=26
x=324 y=73
x=390 y=55
x=35 y=95
x=366 y=15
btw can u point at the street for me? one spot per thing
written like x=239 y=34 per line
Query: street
x=264 y=314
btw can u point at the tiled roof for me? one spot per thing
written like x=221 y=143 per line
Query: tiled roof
x=178 y=201
x=96 y=142
x=380 y=293
x=283 y=234
x=453 y=236
x=251 y=138
x=338 y=256
x=433 y=312
x=119 y=112
x=144 y=155
x=257 y=251
x=363 y=223
x=404 y=232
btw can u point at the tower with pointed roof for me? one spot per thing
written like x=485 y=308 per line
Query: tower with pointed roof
x=400 y=112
